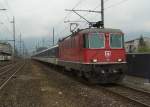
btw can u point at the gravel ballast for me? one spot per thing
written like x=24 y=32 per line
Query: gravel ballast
x=38 y=85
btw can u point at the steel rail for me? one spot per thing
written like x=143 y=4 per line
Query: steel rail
x=132 y=88
x=5 y=66
x=3 y=84
x=1 y=73
x=126 y=97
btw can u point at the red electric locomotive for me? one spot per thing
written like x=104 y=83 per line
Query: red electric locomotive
x=95 y=54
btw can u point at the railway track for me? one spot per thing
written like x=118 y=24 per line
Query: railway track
x=6 y=67
x=139 y=97
x=7 y=72
x=5 y=64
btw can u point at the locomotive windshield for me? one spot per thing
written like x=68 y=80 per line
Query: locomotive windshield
x=97 y=40
x=116 y=41
x=94 y=40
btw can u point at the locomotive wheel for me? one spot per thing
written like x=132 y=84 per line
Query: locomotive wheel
x=86 y=75
x=90 y=77
x=80 y=74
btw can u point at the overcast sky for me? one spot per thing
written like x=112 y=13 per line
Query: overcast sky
x=36 y=18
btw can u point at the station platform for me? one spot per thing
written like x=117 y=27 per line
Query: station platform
x=137 y=82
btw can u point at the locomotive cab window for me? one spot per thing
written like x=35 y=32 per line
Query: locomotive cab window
x=116 y=41
x=96 y=40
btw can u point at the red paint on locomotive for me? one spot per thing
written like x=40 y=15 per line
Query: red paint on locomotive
x=72 y=49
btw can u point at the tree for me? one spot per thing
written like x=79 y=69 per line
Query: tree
x=143 y=46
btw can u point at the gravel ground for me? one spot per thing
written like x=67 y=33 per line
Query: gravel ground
x=3 y=63
x=41 y=86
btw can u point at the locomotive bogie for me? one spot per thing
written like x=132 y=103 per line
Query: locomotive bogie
x=98 y=73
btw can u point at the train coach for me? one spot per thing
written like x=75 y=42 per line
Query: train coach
x=98 y=55
x=49 y=55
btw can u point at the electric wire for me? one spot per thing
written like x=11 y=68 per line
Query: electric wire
x=12 y=14
x=111 y=6
x=80 y=1
x=76 y=5
x=6 y=23
x=106 y=1
x=116 y=4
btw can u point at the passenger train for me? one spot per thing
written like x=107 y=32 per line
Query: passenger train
x=97 y=55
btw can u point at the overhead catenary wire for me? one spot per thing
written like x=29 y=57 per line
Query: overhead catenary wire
x=5 y=23
x=9 y=8
x=111 y=6
x=95 y=8
x=79 y=18
x=76 y=5
x=116 y=4
x=11 y=14
x=5 y=13
x=92 y=9
x=106 y=1
x=5 y=4
x=9 y=17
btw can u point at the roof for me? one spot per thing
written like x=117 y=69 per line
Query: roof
x=5 y=43
x=105 y=30
x=45 y=50
x=95 y=30
x=136 y=39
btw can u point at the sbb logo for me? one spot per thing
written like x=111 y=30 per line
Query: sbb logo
x=107 y=54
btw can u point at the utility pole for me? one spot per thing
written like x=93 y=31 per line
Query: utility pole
x=38 y=45
x=53 y=35
x=20 y=44
x=14 y=35
x=102 y=12
x=23 y=47
x=43 y=42
x=99 y=24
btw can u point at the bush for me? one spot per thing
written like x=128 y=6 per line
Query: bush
x=144 y=49
x=143 y=46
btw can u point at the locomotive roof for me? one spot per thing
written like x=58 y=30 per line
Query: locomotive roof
x=94 y=30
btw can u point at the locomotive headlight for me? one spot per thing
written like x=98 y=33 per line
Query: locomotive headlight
x=119 y=60
x=115 y=71
x=94 y=60
x=103 y=72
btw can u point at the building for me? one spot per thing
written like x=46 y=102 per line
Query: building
x=132 y=45
x=6 y=48
x=5 y=51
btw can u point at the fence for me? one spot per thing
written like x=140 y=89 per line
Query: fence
x=139 y=65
